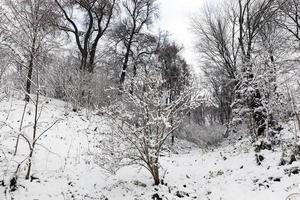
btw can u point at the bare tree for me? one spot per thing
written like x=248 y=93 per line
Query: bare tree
x=290 y=17
x=28 y=33
x=141 y=124
x=219 y=48
x=175 y=71
x=97 y=18
x=139 y=14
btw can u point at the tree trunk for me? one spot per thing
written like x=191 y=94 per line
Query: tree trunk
x=126 y=57
x=29 y=77
x=34 y=132
x=155 y=174
x=29 y=165
x=30 y=69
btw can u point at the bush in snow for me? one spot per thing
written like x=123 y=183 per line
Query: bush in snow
x=142 y=121
x=290 y=154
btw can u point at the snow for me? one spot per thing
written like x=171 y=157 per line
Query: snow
x=65 y=167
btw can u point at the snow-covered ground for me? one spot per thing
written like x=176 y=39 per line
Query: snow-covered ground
x=65 y=168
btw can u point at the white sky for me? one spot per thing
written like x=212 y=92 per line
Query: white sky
x=175 y=17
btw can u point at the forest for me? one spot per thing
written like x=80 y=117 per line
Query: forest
x=97 y=102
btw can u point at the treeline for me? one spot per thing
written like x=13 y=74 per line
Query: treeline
x=88 y=51
x=250 y=56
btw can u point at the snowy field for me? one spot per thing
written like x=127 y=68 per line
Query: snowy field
x=64 y=168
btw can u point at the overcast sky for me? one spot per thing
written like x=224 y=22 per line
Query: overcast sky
x=175 y=17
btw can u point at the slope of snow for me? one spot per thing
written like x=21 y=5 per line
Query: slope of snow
x=65 y=168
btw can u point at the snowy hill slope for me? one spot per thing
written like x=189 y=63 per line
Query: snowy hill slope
x=65 y=170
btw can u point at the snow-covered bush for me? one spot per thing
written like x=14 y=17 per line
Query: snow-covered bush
x=290 y=154
x=141 y=123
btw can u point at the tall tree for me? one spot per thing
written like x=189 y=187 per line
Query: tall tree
x=97 y=15
x=29 y=34
x=219 y=48
x=175 y=69
x=253 y=18
x=138 y=14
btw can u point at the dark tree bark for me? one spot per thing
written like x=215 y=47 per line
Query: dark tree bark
x=30 y=69
x=139 y=14
x=99 y=15
x=29 y=31
x=290 y=18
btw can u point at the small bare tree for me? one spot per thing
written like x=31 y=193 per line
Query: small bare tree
x=141 y=124
x=31 y=140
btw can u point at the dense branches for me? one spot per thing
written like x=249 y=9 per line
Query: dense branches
x=28 y=31
x=242 y=47
x=219 y=48
x=143 y=121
